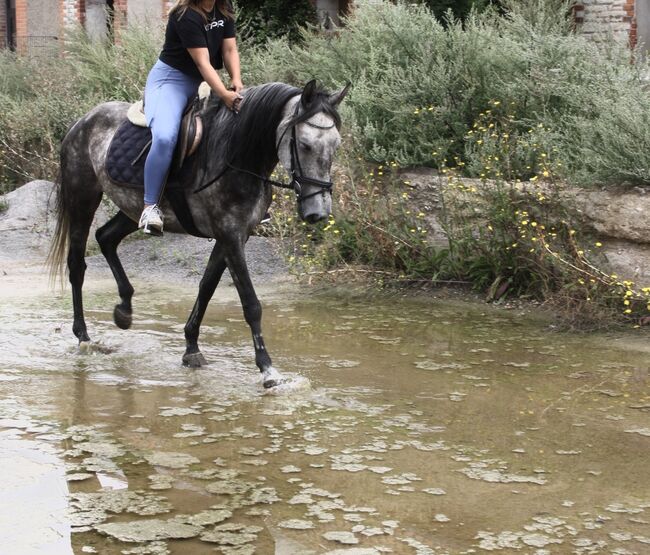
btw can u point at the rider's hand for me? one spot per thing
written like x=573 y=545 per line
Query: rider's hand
x=232 y=100
x=237 y=85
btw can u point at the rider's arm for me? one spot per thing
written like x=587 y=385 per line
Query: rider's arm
x=230 y=56
x=201 y=58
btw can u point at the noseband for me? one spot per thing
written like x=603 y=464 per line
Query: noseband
x=298 y=178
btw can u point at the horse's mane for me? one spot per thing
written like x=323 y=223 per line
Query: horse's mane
x=248 y=139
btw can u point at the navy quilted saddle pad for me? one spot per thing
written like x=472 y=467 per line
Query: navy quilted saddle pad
x=125 y=166
x=126 y=156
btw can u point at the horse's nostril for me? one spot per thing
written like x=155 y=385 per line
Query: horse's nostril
x=313 y=218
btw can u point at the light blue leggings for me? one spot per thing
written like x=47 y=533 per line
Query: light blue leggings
x=165 y=97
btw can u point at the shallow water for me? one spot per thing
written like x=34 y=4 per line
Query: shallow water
x=428 y=427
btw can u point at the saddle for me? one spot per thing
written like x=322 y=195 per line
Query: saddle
x=131 y=143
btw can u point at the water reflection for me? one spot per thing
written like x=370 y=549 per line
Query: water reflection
x=429 y=427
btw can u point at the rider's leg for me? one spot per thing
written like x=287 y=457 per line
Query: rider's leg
x=166 y=95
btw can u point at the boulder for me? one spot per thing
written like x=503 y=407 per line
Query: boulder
x=30 y=218
x=30 y=207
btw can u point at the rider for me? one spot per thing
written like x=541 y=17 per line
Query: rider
x=199 y=40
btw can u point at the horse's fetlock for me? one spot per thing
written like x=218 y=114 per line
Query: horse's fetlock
x=126 y=294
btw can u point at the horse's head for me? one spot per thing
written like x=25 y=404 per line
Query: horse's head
x=307 y=140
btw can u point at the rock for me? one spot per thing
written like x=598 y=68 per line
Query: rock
x=171 y=460
x=29 y=220
x=28 y=206
x=629 y=260
x=347 y=538
x=615 y=216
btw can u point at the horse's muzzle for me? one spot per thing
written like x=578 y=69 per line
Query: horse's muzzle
x=315 y=208
x=314 y=218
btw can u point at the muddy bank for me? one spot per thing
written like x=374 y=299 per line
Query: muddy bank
x=27 y=225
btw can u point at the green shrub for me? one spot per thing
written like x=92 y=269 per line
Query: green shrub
x=114 y=71
x=419 y=86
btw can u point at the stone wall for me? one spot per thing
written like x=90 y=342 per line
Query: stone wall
x=617 y=218
x=642 y=15
x=145 y=12
x=43 y=30
x=96 y=19
x=600 y=19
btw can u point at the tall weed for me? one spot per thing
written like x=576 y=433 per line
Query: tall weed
x=41 y=99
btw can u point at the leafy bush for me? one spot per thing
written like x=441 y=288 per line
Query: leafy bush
x=419 y=86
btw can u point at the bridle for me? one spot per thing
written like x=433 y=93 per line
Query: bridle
x=298 y=178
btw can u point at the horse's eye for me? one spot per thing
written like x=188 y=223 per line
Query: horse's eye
x=306 y=147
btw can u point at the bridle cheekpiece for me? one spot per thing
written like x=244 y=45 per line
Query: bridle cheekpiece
x=298 y=178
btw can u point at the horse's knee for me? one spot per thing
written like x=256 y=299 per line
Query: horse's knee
x=101 y=236
x=253 y=312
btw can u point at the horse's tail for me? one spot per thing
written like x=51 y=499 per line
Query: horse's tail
x=63 y=201
x=59 y=245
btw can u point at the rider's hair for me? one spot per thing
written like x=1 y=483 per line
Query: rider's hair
x=181 y=6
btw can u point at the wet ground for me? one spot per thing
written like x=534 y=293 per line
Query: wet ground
x=415 y=426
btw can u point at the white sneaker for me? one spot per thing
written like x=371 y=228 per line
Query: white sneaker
x=151 y=221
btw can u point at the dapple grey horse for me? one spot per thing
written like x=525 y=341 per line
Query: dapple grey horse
x=227 y=190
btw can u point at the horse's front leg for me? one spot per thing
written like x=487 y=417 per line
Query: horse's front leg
x=209 y=282
x=236 y=261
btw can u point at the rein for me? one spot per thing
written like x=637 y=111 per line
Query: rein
x=298 y=178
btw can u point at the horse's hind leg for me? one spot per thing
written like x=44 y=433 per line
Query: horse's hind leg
x=81 y=218
x=209 y=282
x=109 y=237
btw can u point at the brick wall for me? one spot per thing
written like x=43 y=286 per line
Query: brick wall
x=121 y=17
x=3 y=25
x=72 y=12
x=21 y=25
x=600 y=19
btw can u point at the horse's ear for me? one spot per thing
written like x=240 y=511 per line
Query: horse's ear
x=309 y=93
x=337 y=97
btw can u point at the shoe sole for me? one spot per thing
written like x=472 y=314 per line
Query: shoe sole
x=154 y=232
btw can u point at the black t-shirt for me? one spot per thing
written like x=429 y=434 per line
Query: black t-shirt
x=191 y=30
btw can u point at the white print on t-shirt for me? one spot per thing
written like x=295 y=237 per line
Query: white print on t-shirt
x=214 y=24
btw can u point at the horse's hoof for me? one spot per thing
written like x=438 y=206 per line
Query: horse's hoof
x=85 y=346
x=194 y=360
x=122 y=318
x=271 y=378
